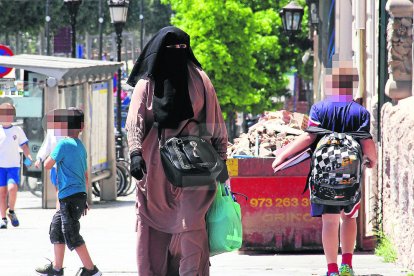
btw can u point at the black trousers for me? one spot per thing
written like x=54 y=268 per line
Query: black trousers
x=65 y=225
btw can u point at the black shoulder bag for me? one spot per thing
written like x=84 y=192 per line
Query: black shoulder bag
x=190 y=161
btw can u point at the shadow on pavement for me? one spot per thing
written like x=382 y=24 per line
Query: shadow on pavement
x=99 y=204
x=292 y=252
x=273 y=252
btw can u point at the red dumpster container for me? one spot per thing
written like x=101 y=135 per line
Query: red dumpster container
x=276 y=215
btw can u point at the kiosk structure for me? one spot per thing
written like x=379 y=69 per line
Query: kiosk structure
x=45 y=83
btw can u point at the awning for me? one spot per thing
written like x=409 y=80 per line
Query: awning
x=60 y=68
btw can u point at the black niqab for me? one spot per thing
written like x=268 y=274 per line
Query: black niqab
x=168 y=68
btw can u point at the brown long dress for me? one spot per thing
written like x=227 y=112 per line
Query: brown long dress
x=171 y=229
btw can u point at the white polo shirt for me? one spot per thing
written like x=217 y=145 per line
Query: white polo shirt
x=11 y=139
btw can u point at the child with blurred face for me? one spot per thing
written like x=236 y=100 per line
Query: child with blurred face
x=12 y=139
x=337 y=113
x=7 y=113
x=55 y=131
x=72 y=179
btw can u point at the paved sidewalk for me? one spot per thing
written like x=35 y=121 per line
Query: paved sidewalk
x=108 y=230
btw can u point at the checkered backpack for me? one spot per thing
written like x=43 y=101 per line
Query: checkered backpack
x=335 y=173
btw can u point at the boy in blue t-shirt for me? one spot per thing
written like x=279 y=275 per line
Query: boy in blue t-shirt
x=339 y=113
x=70 y=157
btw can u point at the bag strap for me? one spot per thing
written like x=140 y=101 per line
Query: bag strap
x=182 y=129
x=239 y=194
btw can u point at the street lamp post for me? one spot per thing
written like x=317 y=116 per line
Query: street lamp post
x=141 y=18
x=47 y=28
x=313 y=6
x=100 y=21
x=118 y=10
x=73 y=7
x=292 y=15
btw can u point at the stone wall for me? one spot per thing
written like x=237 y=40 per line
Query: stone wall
x=397 y=185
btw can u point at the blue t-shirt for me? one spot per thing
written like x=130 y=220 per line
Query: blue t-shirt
x=339 y=116
x=70 y=156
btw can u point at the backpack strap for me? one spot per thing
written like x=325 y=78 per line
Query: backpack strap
x=308 y=179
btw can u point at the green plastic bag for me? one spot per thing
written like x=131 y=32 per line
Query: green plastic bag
x=224 y=224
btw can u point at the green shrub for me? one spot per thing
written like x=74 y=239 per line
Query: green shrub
x=385 y=249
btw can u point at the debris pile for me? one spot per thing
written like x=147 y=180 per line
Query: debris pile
x=273 y=131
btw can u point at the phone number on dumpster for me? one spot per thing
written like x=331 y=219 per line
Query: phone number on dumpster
x=279 y=202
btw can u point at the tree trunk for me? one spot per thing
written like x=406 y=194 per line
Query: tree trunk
x=17 y=50
x=41 y=49
x=231 y=125
x=7 y=38
x=88 y=46
x=133 y=46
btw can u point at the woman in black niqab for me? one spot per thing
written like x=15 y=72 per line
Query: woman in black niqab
x=167 y=66
x=171 y=230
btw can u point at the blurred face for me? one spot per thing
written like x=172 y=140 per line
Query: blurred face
x=51 y=124
x=64 y=123
x=7 y=113
x=60 y=128
x=341 y=80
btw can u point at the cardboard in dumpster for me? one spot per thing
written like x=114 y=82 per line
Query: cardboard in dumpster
x=276 y=215
x=273 y=131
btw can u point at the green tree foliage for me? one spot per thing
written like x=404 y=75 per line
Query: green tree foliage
x=28 y=16
x=19 y=16
x=290 y=58
x=156 y=15
x=241 y=46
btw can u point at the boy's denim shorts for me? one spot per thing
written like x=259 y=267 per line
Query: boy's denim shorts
x=65 y=225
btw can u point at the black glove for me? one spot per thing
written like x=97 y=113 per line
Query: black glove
x=224 y=174
x=137 y=167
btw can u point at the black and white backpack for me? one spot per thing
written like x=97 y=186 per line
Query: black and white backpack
x=336 y=167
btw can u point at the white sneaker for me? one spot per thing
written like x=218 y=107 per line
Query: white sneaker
x=3 y=223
